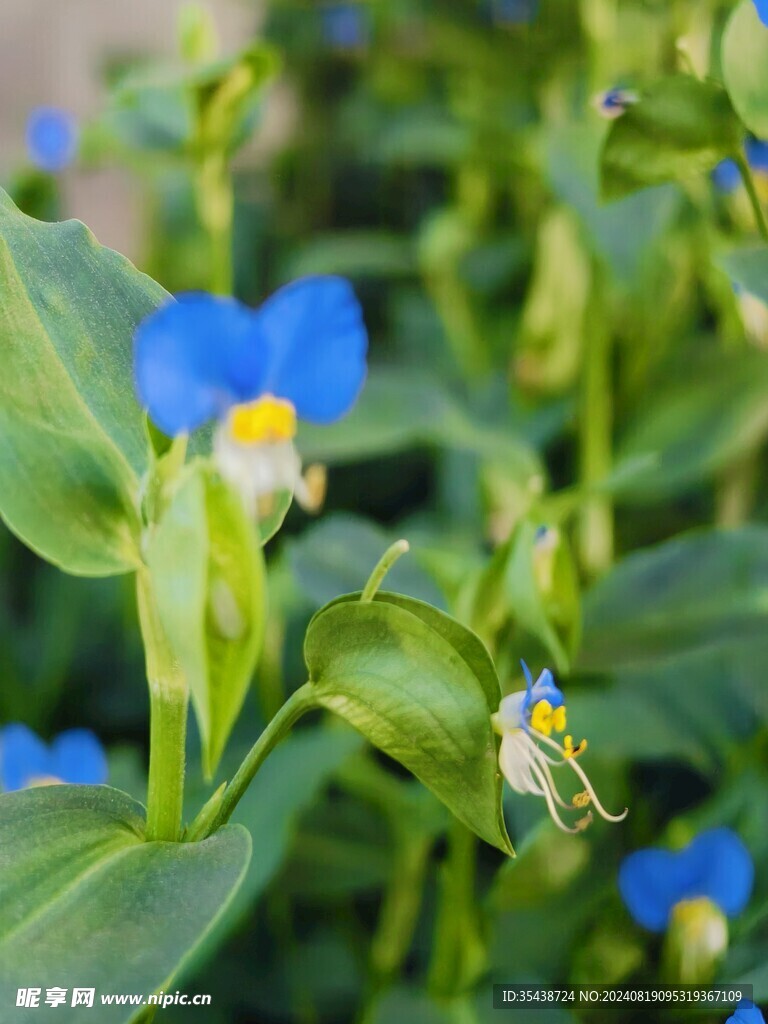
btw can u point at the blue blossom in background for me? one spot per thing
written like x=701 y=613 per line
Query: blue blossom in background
x=715 y=866
x=762 y=10
x=75 y=756
x=746 y=1013
x=513 y=12
x=612 y=103
x=726 y=176
x=757 y=155
x=302 y=354
x=51 y=138
x=346 y=26
x=525 y=721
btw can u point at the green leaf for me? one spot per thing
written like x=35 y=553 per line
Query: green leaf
x=694 y=425
x=422 y=688
x=158 y=107
x=269 y=524
x=335 y=557
x=399 y=412
x=696 y=592
x=86 y=902
x=745 y=66
x=74 y=443
x=747 y=267
x=680 y=127
x=208 y=579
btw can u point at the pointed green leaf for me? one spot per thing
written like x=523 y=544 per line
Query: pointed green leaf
x=680 y=127
x=422 y=688
x=208 y=578
x=74 y=444
x=85 y=902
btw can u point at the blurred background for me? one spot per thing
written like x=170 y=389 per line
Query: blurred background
x=566 y=415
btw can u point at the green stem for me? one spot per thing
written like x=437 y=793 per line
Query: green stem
x=215 y=203
x=383 y=566
x=595 y=444
x=754 y=198
x=458 y=952
x=301 y=701
x=400 y=908
x=168 y=700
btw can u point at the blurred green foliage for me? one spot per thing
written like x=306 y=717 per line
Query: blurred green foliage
x=539 y=358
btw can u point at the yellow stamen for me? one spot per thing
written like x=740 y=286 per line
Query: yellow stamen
x=570 y=751
x=545 y=718
x=541 y=717
x=581 y=799
x=268 y=419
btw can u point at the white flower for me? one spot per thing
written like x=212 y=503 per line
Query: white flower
x=526 y=721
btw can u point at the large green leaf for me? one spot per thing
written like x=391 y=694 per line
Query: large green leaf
x=745 y=66
x=208 y=579
x=680 y=127
x=398 y=412
x=74 y=444
x=695 y=425
x=422 y=688
x=85 y=902
x=698 y=591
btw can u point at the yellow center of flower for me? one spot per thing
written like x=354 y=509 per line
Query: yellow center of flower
x=43 y=780
x=267 y=420
x=545 y=718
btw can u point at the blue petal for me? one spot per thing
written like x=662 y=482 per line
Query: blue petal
x=51 y=138
x=23 y=756
x=195 y=358
x=651 y=882
x=318 y=344
x=545 y=688
x=716 y=864
x=345 y=25
x=757 y=154
x=724 y=869
x=78 y=757
x=762 y=10
x=726 y=176
x=514 y=12
x=746 y=1013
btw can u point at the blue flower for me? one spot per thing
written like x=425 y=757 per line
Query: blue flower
x=51 y=138
x=345 y=25
x=75 y=756
x=514 y=12
x=612 y=103
x=726 y=176
x=746 y=1013
x=762 y=10
x=757 y=155
x=715 y=866
x=526 y=720
x=301 y=354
